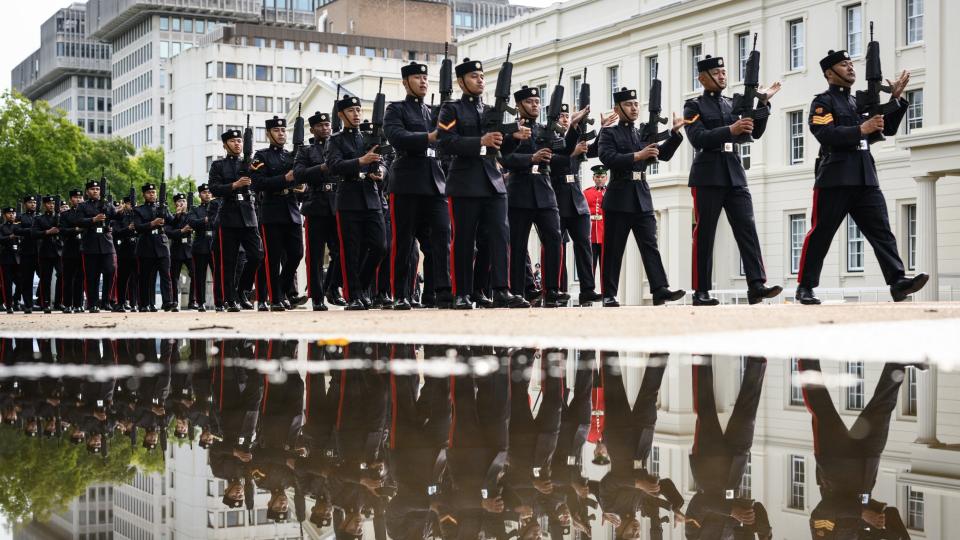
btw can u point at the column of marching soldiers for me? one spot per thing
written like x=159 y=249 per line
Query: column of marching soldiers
x=453 y=456
x=463 y=183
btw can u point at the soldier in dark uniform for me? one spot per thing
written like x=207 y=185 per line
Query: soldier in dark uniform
x=319 y=210
x=719 y=458
x=848 y=459
x=531 y=199
x=99 y=257
x=847 y=181
x=202 y=250
x=71 y=284
x=417 y=186
x=28 y=252
x=718 y=181
x=153 y=250
x=9 y=257
x=46 y=234
x=281 y=224
x=359 y=211
x=238 y=222
x=627 y=205
x=125 y=242
x=476 y=190
x=180 y=234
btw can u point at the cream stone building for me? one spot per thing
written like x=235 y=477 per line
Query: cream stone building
x=622 y=43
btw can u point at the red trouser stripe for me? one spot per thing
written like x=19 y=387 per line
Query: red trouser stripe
x=343 y=260
x=266 y=263
x=393 y=245
x=696 y=233
x=453 y=258
x=453 y=410
x=806 y=239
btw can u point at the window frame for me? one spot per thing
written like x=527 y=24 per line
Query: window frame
x=796 y=44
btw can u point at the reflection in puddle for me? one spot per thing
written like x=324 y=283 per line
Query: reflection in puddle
x=147 y=438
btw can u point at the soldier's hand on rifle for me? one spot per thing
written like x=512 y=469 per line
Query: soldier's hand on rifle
x=99 y=218
x=186 y=229
x=289 y=176
x=371 y=483
x=607 y=121
x=896 y=87
x=522 y=133
x=131 y=226
x=494 y=506
x=651 y=486
x=741 y=126
x=677 y=123
x=53 y=230
x=875 y=519
x=651 y=151
x=577 y=116
x=241 y=182
x=371 y=156
x=580 y=148
x=770 y=92
x=541 y=155
x=543 y=486
x=872 y=125
x=242 y=455
x=300 y=189
x=157 y=222
x=743 y=515
x=432 y=136
x=493 y=139
x=614 y=519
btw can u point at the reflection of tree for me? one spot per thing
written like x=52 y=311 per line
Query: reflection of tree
x=39 y=477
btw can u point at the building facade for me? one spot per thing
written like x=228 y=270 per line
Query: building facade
x=70 y=71
x=624 y=44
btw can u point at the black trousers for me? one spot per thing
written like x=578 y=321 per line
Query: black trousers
x=363 y=244
x=470 y=215
x=28 y=268
x=429 y=214
x=71 y=286
x=382 y=284
x=283 y=251
x=578 y=229
x=150 y=268
x=230 y=241
x=9 y=274
x=95 y=266
x=707 y=204
x=617 y=411
x=128 y=286
x=198 y=281
x=45 y=269
x=321 y=234
x=176 y=267
x=481 y=408
x=868 y=208
x=615 y=233
x=483 y=262
x=547 y=221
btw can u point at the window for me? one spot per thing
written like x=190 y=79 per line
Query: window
x=188 y=25
x=796 y=390
x=914 y=110
x=653 y=66
x=745 y=155
x=81 y=103
x=233 y=102
x=655 y=460
x=263 y=73
x=854 y=16
x=209 y=162
x=260 y=134
x=369 y=52
x=798 y=478
x=854 y=390
x=209 y=101
x=795 y=121
x=211 y=70
x=542 y=90
x=855 y=246
x=342 y=50
x=463 y=18
x=743 y=52
x=910 y=393
x=911 y=226
x=795 y=31
x=209 y=132
x=798 y=229
x=259 y=42
x=175 y=48
x=291 y=75
x=199 y=26
x=914 y=11
x=914 y=509
x=164 y=23
x=164 y=49
x=175 y=24
x=613 y=77
x=235 y=518
x=233 y=70
x=696 y=51
x=746 y=481
x=575 y=83
x=263 y=104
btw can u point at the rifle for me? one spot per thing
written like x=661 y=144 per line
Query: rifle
x=247 y=154
x=744 y=104
x=298 y=132
x=57 y=201
x=492 y=121
x=336 y=125
x=190 y=197
x=584 y=100
x=551 y=136
x=446 y=82
x=375 y=136
x=103 y=190
x=162 y=199
x=133 y=196
x=868 y=101
x=649 y=134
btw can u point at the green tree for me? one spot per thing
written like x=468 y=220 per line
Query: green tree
x=151 y=162
x=114 y=158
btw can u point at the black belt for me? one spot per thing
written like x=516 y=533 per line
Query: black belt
x=629 y=176
x=281 y=193
x=734 y=149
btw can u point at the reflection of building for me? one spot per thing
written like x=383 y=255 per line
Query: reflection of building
x=88 y=517
x=69 y=71
x=623 y=44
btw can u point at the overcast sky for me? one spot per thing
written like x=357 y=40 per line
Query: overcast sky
x=20 y=30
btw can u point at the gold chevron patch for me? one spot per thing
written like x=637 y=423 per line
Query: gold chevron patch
x=448 y=126
x=823 y=524
x=256 y=165
x=692 y=120
x=822 y=120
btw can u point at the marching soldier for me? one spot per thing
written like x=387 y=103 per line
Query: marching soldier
x=125 y=242
x=199 y=220
x=417 y=187
x=320 y=212
x=531 y=199
x=281 y=223
x=28 y=251
x=718 y=181
x=71 y=285
x=99 y=256
x=476 y=190
x=153 y=250
x=9 y=257
x=628 y=206
x=46 y=233
x=180 y=234
x=594 y=197
x=230 y=182
x=847 y=181
x=359 y=211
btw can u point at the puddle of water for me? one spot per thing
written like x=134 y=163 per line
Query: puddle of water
x=283 y=438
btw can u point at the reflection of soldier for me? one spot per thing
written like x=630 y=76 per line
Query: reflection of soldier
x=848 y=460
x=719 y=459
x=629 y=490
x=567 y=465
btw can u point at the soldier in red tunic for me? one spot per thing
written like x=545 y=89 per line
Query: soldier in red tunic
x=594 y=197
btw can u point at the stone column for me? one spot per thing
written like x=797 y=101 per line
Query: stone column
x=927 y=406
x=927 y=236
